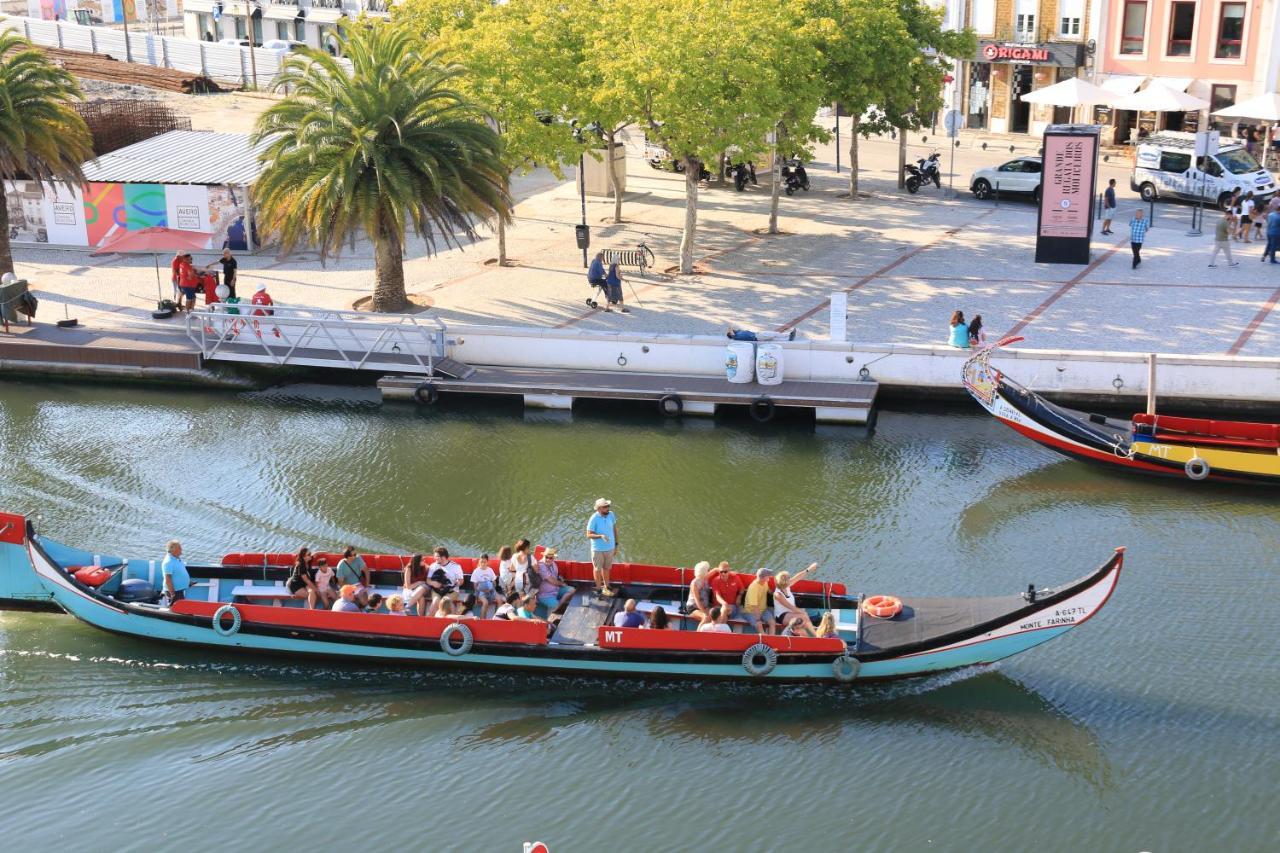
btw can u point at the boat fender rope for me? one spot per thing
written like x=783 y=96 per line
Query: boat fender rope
x=671 y=405
x=426 y=393
x=759 y=660
x=1197 y=468
x=446 y=639
x=762 y=409
x=845 y=668
x=224 y=630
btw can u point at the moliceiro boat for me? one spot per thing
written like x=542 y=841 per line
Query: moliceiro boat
x=240 y=605
x=1196 y=449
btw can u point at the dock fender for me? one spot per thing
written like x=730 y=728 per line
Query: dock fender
x=226 y=630
x=671 y=405
x=446 y=639
x=845 y=668
x=1197 y=468
x=426 y=393
x=762 y=409
x=759 y=660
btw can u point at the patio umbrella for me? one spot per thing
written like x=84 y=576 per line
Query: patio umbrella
x=1263 y=108
x=152 y=241
x=1070 y=93
x=1159 y=98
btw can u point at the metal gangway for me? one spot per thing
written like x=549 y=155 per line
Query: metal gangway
x=314 y=337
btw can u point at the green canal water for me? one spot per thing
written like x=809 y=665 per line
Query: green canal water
x=1153 y=727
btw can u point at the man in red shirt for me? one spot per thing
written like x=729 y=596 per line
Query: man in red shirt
x=727 y=589
x=188 y=282
x=263 y=299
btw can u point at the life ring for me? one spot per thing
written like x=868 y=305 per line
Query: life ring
x=1197 y=468
x=762 y=409
x=426 y=393
x=882 y=606
x=671 y=405
x=759 y=660
x=446 y=639
x=845 y=668
x=219 y=628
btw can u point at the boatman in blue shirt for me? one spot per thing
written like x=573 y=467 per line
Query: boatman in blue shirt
x=602 y=531
x=176 y=579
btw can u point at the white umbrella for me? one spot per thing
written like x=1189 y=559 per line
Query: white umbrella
x=1158 y=98
x=1263 y=108
x=1070 y=93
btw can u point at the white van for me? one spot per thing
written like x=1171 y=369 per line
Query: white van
x=1163 y=168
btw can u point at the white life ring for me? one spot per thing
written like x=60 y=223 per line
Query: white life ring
x=218 y=627
x=446 y=639
x=845 y=668
x=752 y=659
x=1197 y=468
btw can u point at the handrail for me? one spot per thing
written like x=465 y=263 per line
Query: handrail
x=332 y=337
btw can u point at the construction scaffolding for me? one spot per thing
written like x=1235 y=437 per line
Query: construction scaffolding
x=118 y=123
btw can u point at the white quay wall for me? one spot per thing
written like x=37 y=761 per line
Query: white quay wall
x=918 y=369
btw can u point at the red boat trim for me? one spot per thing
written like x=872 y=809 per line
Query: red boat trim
x=1072 y=448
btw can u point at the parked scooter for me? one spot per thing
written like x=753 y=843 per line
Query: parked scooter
x=794 y=176
x=923 y=172
x=740 y=173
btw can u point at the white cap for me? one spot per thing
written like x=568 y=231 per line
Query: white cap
x=603 y=502
x=261 y=288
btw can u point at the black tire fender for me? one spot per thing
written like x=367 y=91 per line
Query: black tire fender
x=759 y=660
x=762 y=409
x=671 y=405
x=427 y=393
x=446 y=640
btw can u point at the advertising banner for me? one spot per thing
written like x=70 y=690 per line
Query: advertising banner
x=1069 y=172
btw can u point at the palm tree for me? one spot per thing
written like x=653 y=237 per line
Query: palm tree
x=42 y=137
x=385 y=144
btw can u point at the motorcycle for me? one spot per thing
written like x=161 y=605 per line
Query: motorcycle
x=794 y=176
x=923 y=172
x=741 y=173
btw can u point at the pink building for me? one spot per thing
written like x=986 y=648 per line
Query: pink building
x=1223 y=51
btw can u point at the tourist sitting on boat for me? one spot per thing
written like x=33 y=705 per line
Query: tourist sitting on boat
x=416 y=592
x=352 y=570
x=523 y=572
x=658 y=619
x=796 y=627
x=713 y=622
x=699 y=601
x=528 y=608
x=395 y=605
x=784 y=600
x=325 y=592
x=485 y=583
x=553 y=591
x=628 y=616
x=507 y=609
x=827 y=625
x=373 y=602
x=465 y=609
x=346 y=602
x=302 y=578
x=727 y=589
x=449 y=566
x=755 y=604
x=177 y=580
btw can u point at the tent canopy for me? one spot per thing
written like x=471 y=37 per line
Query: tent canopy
x=1263 y=108
x=1158 y=98
x=1070 y=93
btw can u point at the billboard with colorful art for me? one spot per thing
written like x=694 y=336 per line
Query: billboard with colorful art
x=88 y=215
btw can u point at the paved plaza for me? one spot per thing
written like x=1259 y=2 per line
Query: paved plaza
x=906 y=262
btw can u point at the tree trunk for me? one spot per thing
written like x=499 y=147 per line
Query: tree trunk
x=613 y=176
x=502 y=243
x=776 y=191
x=902 y=157
x=388 y=290
x=853 y=156
x=691 y=168
x=6 y=253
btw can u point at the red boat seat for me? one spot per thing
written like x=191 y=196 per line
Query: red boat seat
x=1216 y=441
x=1205 y=427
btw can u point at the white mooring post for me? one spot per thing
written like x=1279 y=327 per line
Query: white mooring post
x=1151 y=384
x=839 y=314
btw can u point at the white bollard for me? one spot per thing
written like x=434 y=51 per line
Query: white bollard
x=839 y=316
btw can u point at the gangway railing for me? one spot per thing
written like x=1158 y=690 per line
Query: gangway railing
x=316 y=337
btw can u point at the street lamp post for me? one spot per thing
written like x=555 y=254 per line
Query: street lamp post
x=128 y=48
x=249 y=9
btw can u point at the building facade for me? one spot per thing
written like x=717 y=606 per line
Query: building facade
x=312 y=22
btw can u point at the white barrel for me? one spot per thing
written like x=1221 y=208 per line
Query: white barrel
x=769 y=364
x=739 y=362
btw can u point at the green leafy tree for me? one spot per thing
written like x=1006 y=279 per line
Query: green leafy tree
x=388 y=145
x=795 y=54
x=42 y=137
x=698 y=74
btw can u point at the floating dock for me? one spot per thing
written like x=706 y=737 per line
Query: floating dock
x=831 y=402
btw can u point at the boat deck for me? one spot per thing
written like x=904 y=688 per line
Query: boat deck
x=925 y=619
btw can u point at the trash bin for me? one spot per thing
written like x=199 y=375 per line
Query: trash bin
x=769 y=364
x=739 y=362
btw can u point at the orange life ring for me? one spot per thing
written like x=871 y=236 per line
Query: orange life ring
x=882 y=606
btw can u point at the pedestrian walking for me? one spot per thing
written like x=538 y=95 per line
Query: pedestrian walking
x=1273 y=236
x=1108 y=206
x=1246 y=217
x=1222 y=241
x=1137 y=234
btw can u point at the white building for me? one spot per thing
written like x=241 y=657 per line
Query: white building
x=311 y=22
